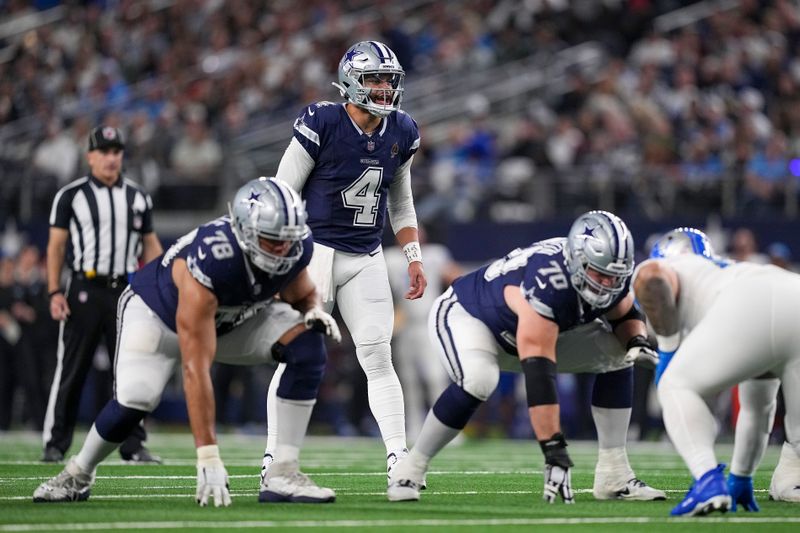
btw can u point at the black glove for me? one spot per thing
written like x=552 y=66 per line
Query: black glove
x=557 y=475
x=641 y=352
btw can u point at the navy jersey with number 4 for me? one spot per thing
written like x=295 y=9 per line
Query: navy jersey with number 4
x=540 y=271
x=347 y=190
x=217 y=262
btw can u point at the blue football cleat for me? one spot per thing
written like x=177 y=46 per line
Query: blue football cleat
x=741 y=489
x=707 y=494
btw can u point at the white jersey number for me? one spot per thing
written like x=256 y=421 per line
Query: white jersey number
x=363 y=195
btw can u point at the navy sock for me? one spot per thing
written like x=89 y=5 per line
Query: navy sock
x=455 y=406
x=116 y=422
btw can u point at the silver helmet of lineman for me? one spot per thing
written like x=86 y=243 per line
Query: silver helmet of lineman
x=599 y=241
x=369 y=58
x=268 y=208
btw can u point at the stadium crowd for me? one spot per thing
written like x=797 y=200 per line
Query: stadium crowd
x=698 y=118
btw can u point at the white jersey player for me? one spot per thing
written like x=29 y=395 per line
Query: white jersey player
x=351 y=162
x=719 y=324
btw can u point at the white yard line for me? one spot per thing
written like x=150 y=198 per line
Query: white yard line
x=499 y=522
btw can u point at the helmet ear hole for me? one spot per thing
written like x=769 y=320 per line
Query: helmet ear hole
x=268 y=208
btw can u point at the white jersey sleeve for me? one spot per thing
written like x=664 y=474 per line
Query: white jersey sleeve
x=295 y=166
x=401 y=200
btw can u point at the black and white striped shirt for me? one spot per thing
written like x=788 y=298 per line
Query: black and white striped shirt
x=105 y=224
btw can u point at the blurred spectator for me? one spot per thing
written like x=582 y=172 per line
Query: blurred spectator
x=744 y=247
x=766 y=177
x=196 y=156
x=10 y=332
x=780 y=255
x=58 y=154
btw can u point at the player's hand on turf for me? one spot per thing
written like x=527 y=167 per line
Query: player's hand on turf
x=641 y=352
x=212 y=478
x=319 y=320
x=417 y=281
x=557 y=470
x=741 y=489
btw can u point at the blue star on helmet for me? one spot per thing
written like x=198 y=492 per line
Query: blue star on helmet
x=253 y=199
x=351 y=54
x=589 y=232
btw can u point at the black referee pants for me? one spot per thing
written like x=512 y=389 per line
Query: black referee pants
x=93 y=313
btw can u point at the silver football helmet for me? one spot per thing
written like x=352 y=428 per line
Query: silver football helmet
x=599 y=241
x=683 y=241
x=268 y=208
x=359 y=63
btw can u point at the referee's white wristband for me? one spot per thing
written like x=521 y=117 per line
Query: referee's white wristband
x=413 y=252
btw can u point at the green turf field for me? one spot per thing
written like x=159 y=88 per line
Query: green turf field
x=481 y=485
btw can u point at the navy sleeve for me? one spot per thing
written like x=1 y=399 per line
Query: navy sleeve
x=310 y=125
x=412 y=138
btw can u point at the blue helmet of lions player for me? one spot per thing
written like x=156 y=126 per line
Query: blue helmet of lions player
x=370 y=76
x=599 y=241
x=268 y=209
x=682 y=241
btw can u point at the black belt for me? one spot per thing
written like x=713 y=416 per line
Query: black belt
x=112 y=282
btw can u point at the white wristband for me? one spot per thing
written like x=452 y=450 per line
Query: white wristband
x=413 y=252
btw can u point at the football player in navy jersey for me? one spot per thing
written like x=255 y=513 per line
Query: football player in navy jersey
x=559 y=305
x=351 y=162
x=212 y=296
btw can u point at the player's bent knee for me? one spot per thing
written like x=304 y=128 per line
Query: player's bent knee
x=305 y=359
x=116 y=422
x=481 y=384
x=138 y=395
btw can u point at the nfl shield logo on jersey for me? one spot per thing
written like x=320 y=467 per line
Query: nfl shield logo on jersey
x=370 y=146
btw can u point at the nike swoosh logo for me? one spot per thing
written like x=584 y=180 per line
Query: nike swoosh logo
x=201 y=254
x=540 y=283
x=311 y=111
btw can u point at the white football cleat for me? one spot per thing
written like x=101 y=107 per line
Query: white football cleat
x=71 y=485
x=406 y=481
x=285 y=483
x=268 y=460
x=632 y=489
x=785 y=484
x=392 y=459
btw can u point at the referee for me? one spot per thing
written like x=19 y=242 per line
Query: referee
x=101 y=226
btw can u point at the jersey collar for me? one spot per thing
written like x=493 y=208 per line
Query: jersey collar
x=380 y=130
x=101 y=185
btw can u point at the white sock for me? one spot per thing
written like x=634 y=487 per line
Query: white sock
x=95 y=448
x=691 y=427
x=272 y=410
x=612 y=426
x=757 y=398
x=293 y=417
x=434 y=436
x=385 y=399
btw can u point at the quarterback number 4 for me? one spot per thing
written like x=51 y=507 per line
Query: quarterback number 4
x=363 y=196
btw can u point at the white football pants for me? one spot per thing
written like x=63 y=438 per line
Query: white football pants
x=147 y=350
x=750 y=330
x=359 y=285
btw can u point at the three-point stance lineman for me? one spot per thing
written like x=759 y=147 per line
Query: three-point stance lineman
x=352 y=162
x=717 y=327
x=544 y=304
x=212 y=296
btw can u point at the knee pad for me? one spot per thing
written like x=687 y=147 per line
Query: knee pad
x=481 y=384
x=138 y=394
x=375 y=359
x=613 y=390
x=116 y=422
x=305 y=359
